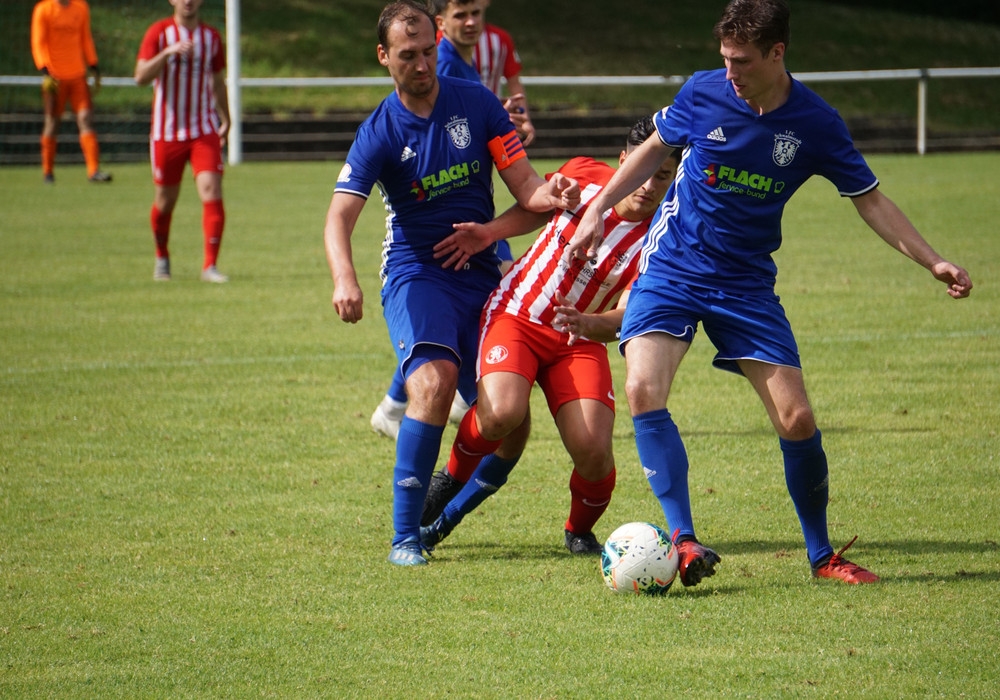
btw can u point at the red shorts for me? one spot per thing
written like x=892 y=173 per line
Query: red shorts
x=540 y=354
x=73 y=91
x=168 y=158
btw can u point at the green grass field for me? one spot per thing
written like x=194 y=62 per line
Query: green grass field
x=192 y=503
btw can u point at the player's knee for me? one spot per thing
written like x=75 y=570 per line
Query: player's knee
x=797 y=423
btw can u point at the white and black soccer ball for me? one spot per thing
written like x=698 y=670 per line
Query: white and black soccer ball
x=639 y=558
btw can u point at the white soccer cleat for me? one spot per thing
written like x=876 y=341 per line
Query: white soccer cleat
x=387 y=417
x=212 y=274
x=161 y=271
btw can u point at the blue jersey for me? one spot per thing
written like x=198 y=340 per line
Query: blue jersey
x=451 y=63
x=721 y=219
x=431 y=174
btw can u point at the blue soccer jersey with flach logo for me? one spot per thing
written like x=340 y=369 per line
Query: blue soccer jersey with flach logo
x=431 y=173
x=721 y=219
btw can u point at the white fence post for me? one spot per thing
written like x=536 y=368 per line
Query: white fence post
x=233 y=85
x=922 y=113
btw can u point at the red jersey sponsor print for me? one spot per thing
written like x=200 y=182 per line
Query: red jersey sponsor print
x=529 y=288
x=183 y=102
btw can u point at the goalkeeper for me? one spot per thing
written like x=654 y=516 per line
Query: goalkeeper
x=63 y=50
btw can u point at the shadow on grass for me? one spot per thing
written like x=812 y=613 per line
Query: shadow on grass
x=494 y=551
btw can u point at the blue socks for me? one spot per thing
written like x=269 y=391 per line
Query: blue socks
x=489 y=476
x=417 y=448
x=807 y=478
x=665 y=462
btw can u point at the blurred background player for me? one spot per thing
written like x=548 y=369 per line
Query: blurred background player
x=64 y=51
x=461 y=36
x=431 y=130
x=548 y=322
x=185 y=60
x=496 y=59
x=746 y=129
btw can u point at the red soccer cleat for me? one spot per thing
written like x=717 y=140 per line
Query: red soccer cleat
x=696 y=562
x=846 y=571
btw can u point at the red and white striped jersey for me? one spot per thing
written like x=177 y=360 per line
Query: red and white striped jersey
x=529 y=288
x=183 y=99
x=495 y=57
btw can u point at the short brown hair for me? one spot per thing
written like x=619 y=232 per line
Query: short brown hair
x=407 y=11
x=762 y=23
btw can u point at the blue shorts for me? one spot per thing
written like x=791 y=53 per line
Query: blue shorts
x=429 y=321
x=740 y=326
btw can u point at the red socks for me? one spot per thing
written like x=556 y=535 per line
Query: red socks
x=469 y=448
x=160 y=223
x=213 y=220
x=589 y=500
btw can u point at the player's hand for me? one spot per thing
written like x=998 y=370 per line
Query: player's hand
x=958 y=280
x=223 y=131
x=49 y=84
x=568 y=319
x=587 y=240
x=96 y=87
x=564 y=192
x=516 y=107
x=348 y=301
x=469 y=238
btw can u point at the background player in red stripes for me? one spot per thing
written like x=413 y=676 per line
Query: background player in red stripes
x=186 y=61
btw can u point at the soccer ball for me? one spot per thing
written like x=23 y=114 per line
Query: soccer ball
x=639 y=558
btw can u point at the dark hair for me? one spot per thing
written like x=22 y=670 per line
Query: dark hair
x=762 y=23
x=641 y=131
x=437 y=7
x=406 y=11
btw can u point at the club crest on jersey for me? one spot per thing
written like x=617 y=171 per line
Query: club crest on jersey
x=496 y=355
x=458 y=130
x=785 y=148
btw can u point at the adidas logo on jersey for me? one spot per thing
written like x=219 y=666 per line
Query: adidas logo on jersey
x=407 y=154
x=716 y=135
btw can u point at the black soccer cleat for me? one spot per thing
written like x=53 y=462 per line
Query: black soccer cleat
x=443 y=488
x=583 y=544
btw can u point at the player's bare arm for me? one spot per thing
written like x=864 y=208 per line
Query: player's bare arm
x=892 y=225
x=633 y=172
x=221 y=104
x=470 y=237
x=147 y=71
x=341 y=219
x=535 y=193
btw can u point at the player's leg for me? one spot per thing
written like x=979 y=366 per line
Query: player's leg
x=586 y=427
x=431 y=380
x=167 y=161
x=53 y=103
x=498 y=391
x=206 y=162
x=580 y=394
x=490 y=474
x=782 y=390
x=651 y=364
x=82 y=105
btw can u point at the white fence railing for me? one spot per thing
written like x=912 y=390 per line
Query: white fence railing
x=921 y=75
